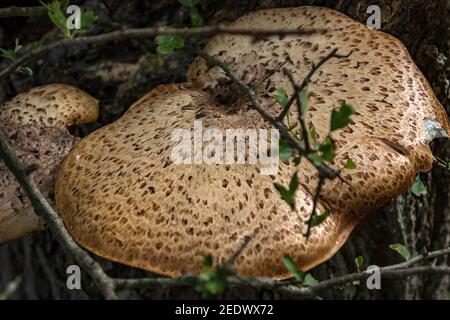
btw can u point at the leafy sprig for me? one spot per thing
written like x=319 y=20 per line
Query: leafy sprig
x=11 y=54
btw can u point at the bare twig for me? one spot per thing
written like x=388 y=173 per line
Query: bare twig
x=147 y=33
x=324 y=170
x=313 y=211
x=108 y=285
x=54 y=222
x=14 y=11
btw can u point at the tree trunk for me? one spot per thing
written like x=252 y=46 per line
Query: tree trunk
x=418 y=223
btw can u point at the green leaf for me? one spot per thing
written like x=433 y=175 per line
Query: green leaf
x=316 y=159
x=350 y=164
x=216 y=285
x=56 y=12
x=207 y=262
x=26 y=70
x=297 y=160
x=304 y=101
x=281 y=97
x=318 y=219
x=313 y=135
x=418 y=188
x=11 y=54
x=285 y=150
x=309 y=280
x=401 y=249
x=189 y=3
x=196 y=18
x=290 y=265
x=286 y=195
x=359 y=260
x=293 y=184
x=166 y=44
x=210 y=282
x=327 y=149
x=341 y=117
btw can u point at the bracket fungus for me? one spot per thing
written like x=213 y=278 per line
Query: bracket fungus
x=36 y=125
x=122 y=197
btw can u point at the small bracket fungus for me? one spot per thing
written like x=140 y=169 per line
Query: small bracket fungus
x=122 y=197
x=35 y=123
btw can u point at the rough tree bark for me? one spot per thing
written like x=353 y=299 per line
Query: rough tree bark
x=419 y=223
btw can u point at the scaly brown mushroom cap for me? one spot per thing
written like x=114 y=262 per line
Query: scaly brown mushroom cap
x=122 y=197
x=35 y=123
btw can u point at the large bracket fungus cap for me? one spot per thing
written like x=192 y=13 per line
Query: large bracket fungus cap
x=36 y=125
x=122 y=197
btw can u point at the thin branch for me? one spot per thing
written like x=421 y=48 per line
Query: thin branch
x=14 y=11
x=11 y=288
x=147 y=33
x=307 y=79
x=228 y=266
x=395 y=271
x=269 y=74
x=54 y=222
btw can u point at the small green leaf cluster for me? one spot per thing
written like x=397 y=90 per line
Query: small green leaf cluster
x=56 y=12
x=319 y=152
x=212 y=281
x=304 y=279
x=322 y=152
x=11 y=54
